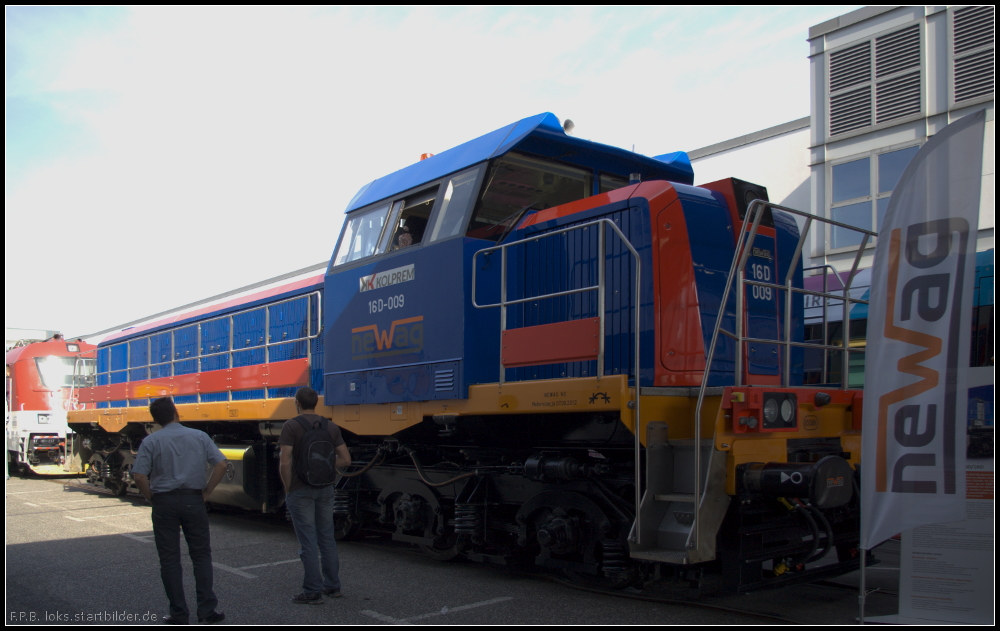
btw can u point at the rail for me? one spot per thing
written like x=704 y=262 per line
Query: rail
x=744 y=246
x=600 y=288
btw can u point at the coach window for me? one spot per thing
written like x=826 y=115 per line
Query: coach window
x=458 y=195
x=408 y=221
x=361 y=234
x=518 y=184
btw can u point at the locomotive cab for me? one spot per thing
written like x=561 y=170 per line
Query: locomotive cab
x=398 y=319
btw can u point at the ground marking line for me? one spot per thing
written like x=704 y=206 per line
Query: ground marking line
x=144 y=539
x=236 y=571
x=99 y=516
x=444 y=611
x=250 y=567
x=30 y=504
x=26 y=492
x=382 y=618
x=61 y=503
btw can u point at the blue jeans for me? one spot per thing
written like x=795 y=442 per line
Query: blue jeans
x=311 y=510
x=171 y=513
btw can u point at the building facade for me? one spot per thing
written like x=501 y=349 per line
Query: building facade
x=883 y=80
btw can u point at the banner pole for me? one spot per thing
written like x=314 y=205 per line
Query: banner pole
x=861 y=592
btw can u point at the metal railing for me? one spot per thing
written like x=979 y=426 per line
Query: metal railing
x=744 y=246
x=600 y=288
x=312 y=332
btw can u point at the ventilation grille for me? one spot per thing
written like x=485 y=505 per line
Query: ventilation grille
x=974 y=65
x=851 y=110
x=444 y=380
x=973 y=28
x=974 y=75
x=897 y=97
x=897 y=52
x=850 y=66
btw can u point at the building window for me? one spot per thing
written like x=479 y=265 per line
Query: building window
x=972 y=43
x=860 y=190
x=875 y=81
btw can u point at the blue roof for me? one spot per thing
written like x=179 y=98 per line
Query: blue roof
x=541 y=135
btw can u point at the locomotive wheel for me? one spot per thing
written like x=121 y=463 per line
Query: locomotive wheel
x=443 y=549
x=116 y=485
x=346 y=527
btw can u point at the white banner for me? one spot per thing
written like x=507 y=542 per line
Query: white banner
x=919 y=330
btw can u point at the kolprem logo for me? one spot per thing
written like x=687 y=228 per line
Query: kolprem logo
x=936 y=291
x=404 y=336
x=762 y=253
x=386 y=278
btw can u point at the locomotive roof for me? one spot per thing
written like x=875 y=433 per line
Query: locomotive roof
x=46 y=348
x=541 y=135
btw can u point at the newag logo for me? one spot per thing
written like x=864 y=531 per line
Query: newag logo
x=404 y=336
x=927 y=406
x=387 y=278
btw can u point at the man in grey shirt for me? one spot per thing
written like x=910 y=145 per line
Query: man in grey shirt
x=170 y=473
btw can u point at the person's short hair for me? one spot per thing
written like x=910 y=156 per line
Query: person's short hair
x=307 y=398
x=163 y=410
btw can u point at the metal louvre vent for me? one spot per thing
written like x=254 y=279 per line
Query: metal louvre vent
x=973 y=28
x=444 y=380
x=974 y=75
x=897 y=97
x=850 y=66
x=973 y=41
x=897 y=51
x=851 y=110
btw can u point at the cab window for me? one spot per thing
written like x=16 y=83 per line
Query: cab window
x=361 y=234
x=518 y=184
x=611 y=182
x=408 y=221
x=458 y=195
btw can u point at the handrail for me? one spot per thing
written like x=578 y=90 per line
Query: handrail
x=744 y=245
x=600 y=288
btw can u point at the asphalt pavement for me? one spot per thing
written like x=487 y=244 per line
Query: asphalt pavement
x=79 y=556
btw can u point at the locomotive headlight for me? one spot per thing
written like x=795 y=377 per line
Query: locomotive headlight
x=770 y=411
x=780 y=410
x=786 y=410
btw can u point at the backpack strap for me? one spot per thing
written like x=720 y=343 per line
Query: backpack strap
x=308 y=425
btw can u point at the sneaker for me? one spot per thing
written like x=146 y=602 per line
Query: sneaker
x=213 y=618
x=173 y=620
x=332 y=593
x=307 y=598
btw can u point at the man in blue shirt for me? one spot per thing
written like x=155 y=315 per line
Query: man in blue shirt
x=169 y=470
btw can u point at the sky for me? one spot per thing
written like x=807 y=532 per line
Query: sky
x=155 y=156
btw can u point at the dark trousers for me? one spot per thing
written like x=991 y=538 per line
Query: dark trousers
x=171 y=513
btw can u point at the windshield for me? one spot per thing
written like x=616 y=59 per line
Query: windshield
x=58 y=372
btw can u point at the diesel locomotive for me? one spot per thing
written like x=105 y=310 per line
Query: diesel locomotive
x=541 y=351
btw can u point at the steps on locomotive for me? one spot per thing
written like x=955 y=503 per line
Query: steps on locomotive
x=667 y=511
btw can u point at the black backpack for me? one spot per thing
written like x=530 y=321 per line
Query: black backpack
x=316 y=455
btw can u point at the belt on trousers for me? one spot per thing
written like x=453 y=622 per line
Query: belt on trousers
x=180 y=492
